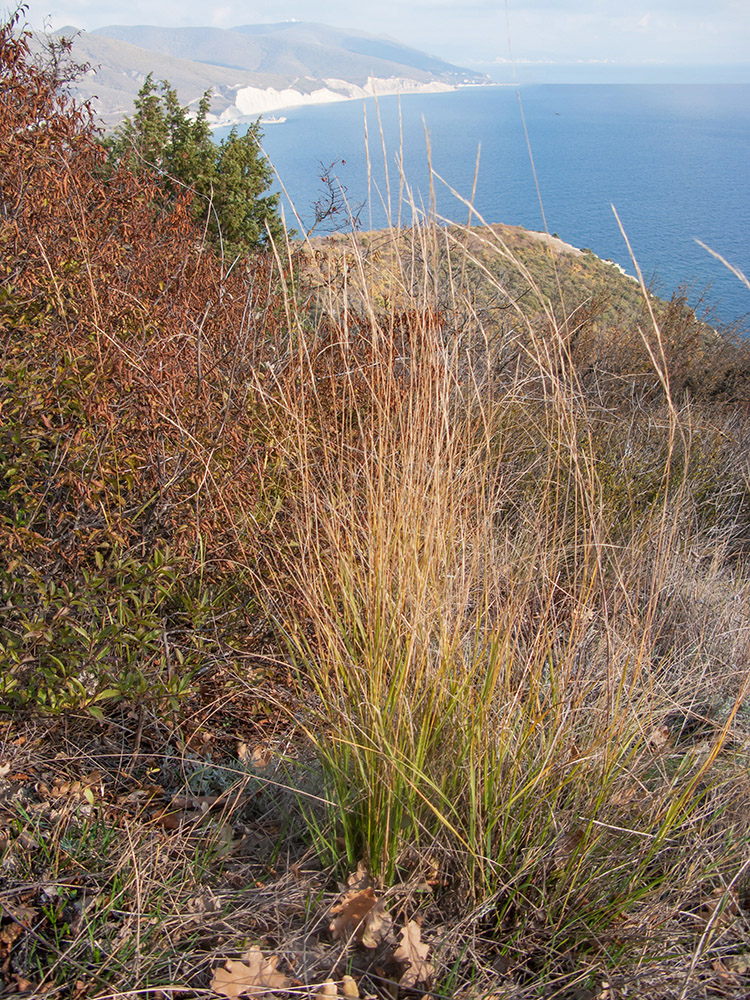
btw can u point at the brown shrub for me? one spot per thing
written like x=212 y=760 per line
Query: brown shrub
x=126 y=343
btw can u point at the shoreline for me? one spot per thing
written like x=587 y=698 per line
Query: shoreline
x=250 y=102
x=561 y=246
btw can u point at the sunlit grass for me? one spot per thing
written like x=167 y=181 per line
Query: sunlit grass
x=483 y=601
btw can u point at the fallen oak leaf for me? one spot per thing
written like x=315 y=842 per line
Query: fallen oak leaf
x=218 y=837
x=359 y=879
x=255 y=977
x=376 y=926
x=720 y=908
x=23 y=915
x=138 y=795
x=414 y=952
x=660 y=737
x=349 y=988
x=363 y=916
x=9 y=934
x=351 y=912
x=167 y=818
x=738 y=963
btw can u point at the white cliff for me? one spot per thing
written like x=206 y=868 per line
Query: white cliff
x=250 y=101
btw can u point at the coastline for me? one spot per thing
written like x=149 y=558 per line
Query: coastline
x=560 y=246
x=250 y=102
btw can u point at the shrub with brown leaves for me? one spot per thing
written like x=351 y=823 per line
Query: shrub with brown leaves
x=127 y=422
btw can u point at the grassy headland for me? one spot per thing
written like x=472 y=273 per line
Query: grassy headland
x=422 y=553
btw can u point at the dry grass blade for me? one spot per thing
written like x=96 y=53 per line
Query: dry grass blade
x=735 y=270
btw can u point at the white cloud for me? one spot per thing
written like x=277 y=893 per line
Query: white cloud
x=676 y=31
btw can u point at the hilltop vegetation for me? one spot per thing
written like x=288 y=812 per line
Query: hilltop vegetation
x=399 y=578
x=228 y=183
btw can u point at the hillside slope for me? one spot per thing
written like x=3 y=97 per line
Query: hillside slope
x=291 y=49
x=516 y=278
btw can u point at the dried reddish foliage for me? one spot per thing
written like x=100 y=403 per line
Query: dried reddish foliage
x=126 y=343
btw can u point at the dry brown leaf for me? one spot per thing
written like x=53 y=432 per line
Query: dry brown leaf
x=351 y=911
x=360 y=879
x=27 y=842
x=363 y=916
x=728 y=907
x=349 y=988
x=660 y=737
x=23 y=915
x=261 y=757
x=376 y=926
x=255 y=977
x=139 y=795
x=223 y=842
x=738 y=963
x=167 y=818
x=565 y=845
x=8 y=936
x=726 y=974
x=414 y=952
x=197 y=803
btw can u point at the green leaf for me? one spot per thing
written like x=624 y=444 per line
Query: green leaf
x=108 y=693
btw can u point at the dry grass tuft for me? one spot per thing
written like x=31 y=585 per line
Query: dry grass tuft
x=518 y=594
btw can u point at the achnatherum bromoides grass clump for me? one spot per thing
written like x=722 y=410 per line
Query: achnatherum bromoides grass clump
x=494 y=619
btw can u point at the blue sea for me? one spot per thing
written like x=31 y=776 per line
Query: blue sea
x=673 y=160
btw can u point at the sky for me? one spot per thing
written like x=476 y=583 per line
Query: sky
x=474 y=33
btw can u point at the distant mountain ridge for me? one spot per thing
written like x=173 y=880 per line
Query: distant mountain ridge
x=292 y=48
x=253 y=68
